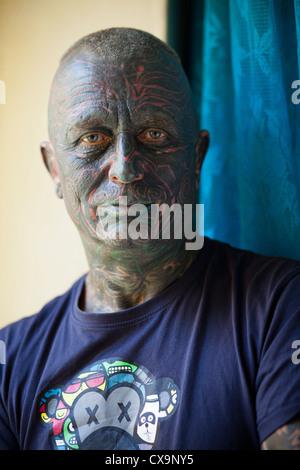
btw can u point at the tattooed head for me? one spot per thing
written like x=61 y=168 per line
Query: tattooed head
x=119 y=44
x=121 y=124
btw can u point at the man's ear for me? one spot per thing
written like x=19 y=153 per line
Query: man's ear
x=201 y=147
x=51 y=165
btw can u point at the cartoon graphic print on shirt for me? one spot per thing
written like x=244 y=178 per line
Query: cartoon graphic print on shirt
x=112 y=404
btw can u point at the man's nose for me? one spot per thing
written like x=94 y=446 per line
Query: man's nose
x=124 y=168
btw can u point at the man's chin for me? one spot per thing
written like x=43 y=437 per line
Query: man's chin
x=117 y=236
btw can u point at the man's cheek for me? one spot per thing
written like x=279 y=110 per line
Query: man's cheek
x=76 y=200
x=71 y=198
x=78 y=208
x=186 y=189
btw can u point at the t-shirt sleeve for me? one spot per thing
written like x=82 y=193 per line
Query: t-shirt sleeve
x=278 y=378
x=7 y=437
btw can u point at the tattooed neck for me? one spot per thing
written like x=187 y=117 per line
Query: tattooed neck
x=123 y=280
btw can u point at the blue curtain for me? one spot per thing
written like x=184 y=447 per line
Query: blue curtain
x=242 y=58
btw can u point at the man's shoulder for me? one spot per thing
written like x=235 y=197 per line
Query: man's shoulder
x=246 y=263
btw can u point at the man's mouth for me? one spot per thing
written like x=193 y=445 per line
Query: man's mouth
x=121 y=210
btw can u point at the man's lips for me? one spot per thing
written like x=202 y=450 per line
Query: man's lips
x=124 y=201
x=121 y=209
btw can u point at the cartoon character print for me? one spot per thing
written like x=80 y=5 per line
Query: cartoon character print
x=112 y=404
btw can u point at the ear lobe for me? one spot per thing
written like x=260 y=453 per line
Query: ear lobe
x=201 y=147
x=51 y=165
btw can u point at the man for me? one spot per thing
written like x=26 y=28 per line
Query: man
x=158 y=346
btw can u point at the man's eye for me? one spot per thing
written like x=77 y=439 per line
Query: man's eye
x=94 y=139
x=152 y=135
x=155 y=135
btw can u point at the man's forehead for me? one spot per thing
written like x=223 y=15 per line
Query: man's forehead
x=138 y=72
x=90 y=81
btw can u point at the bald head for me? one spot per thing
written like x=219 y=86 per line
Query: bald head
x=119 y=44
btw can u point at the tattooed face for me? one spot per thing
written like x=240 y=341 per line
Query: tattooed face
x=121 y=129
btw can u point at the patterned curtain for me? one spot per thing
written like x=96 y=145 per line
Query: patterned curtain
x=243 y=61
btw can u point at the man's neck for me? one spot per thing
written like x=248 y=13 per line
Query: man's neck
x=119 y=279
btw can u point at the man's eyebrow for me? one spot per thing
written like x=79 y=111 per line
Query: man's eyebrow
x=89 y=120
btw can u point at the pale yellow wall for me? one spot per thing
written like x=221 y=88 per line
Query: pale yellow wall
x=40 y=250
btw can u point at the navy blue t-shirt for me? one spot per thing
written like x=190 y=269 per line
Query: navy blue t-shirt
x=209 y=363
